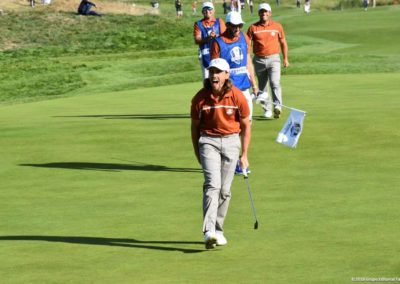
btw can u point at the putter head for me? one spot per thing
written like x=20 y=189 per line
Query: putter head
x=256 y=225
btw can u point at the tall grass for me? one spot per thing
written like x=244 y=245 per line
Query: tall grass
x=33 y=66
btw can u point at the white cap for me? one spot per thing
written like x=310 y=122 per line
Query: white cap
x=207 y=5
x=220 y=64
x=234 y=18
x=264 y=6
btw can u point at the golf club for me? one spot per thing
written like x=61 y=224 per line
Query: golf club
x=246 y=178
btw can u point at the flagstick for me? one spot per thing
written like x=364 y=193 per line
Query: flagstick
x=277 y=104
x=292 y=108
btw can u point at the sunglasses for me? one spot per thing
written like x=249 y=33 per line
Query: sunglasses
x=236 y=26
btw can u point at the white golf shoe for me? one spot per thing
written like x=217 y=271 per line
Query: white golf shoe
x=268 y=113
x=210 y=240
x=221 y=240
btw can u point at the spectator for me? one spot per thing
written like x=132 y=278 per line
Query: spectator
x=178 y=8
x=307 y=6
x=234 y=5
x=155 y=4
x=298 y=3
x=205 y=30
x=242 y=4
x=194 y=7
x=365 y=4
x=251 y=6
x=85 y=8
x=269 y=41
x=225 y=6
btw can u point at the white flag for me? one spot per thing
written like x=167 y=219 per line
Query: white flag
x=292 y=129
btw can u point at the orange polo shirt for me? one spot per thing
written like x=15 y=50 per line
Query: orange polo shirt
x=215 y=50
x=208 y=23
x=219 y=117
x=266 y=38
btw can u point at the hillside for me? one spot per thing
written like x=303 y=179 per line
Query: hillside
x=49 y=52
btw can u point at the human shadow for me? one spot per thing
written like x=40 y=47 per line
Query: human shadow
x=132 y=116
x=262 y=118
x=116 y=167
x=116 y=242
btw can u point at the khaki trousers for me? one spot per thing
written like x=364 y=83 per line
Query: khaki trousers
x=268 y=68
x=218 y=156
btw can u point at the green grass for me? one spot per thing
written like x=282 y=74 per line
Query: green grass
x=105 y=188
x=99 y=182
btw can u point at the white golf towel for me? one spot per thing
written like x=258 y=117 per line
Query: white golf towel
x=291 y=131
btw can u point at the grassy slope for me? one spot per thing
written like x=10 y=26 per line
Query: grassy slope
x=81 y=55
x=54 y=57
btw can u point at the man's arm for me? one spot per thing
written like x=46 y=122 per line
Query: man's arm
x=195 y=137
x=250 y=68
x=250 y=33
x=284 y=48
x=222 y=26
x=215 y=50
x=252 y=78
x=91 y=3
x=245 y=136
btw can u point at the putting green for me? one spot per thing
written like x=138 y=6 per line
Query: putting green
x=105 y=188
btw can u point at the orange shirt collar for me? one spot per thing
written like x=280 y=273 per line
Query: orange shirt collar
x=266 y=24
x=210 y=21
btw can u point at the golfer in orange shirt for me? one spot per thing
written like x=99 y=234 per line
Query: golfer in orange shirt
x=269 y=41
x=220 y=130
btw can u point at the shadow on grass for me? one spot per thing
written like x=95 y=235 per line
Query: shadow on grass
x=117 y=242
x=111 y=167
x=262 y=118
x=132 y=116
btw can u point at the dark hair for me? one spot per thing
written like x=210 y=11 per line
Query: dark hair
x=225 y=88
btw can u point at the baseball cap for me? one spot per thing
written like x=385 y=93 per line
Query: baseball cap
x=220 y=64
x=264 y=6
x=208 y=5
x=234 y=18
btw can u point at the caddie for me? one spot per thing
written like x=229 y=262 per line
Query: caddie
x=204 y=31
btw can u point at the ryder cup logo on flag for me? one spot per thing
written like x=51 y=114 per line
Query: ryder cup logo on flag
x=291 y=131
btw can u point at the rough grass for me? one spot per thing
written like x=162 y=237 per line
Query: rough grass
x=47 y=55
x=53 y=58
